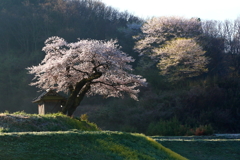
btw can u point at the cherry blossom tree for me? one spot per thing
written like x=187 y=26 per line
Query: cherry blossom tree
x=157 y=31
x=172 y=42
x=86 y=67
x=181 y=58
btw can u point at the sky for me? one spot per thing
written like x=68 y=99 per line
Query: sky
x=204 y=9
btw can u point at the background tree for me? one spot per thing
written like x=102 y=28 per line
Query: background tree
x=231 y=33
x=213 y=41
x=173 y=40
x=158 y=31
x=85 y=67
x=181 y=58
x=222 y=43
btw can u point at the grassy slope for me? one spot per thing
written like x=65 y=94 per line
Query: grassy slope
x=203 y=148
x=73 y=144
x=22 y=122
x=88 y=145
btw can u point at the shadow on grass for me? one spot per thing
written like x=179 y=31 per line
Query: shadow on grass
x=86 y=145
x=203 y=147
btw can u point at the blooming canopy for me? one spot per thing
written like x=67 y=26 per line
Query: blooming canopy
x=173 y=42
x=100 y=66
x=158 y=30
x=181 y=58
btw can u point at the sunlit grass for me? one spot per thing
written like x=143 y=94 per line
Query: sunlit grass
x=55 y=136
x=23 y=122
x=86 y=145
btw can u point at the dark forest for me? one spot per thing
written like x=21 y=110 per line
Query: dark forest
x=208 y=99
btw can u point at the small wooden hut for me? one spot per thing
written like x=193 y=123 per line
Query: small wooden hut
x=49 y=102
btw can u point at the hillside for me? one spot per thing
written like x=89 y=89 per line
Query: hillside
x=210 y=99
x=72 y=144
x=23 y=122
x=87 y=145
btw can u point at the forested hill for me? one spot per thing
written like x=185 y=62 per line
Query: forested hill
x=210 y=98
x=26 y=24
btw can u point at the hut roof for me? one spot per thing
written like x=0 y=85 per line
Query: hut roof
x=49 y=95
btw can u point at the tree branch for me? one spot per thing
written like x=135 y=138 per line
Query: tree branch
x=80 y=71
x=111 y=85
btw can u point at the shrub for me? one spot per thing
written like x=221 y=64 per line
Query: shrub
x=170 y=127
x=173 y=127
x=203 y=130
x=2 y=129
x=84 y=117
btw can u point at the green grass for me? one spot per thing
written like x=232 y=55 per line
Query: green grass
x=23 y=122
x=55 y=136
x=86 y=145
x=203 y=147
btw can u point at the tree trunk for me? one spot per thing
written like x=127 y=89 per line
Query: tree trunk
x=77 y=94
x=71 y=100
x=78 y=100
